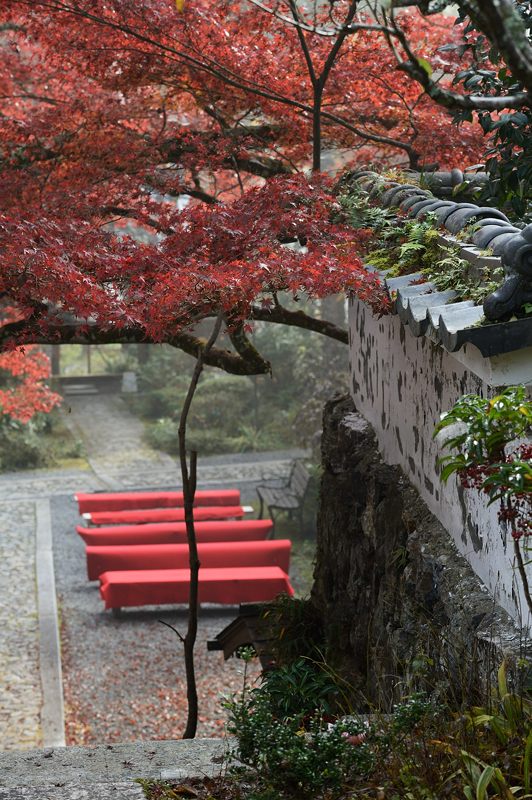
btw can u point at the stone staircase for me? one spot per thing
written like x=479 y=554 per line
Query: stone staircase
x=105 y=772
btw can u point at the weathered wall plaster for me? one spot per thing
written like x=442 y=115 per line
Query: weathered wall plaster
x=402 y=384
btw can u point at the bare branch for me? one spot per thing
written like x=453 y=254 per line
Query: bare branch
x=299 y=319
x=248 y=351
x=179 y=636
x=62 y=333
x=297 y=22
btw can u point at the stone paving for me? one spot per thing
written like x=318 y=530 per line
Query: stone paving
x=20 y=681
x=117 y=458
x=19 y=656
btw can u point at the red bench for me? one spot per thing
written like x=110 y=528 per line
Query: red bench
x=175 y=556
x=118 y=501
x=142 y=515
x=176 y=532
x=229 y=586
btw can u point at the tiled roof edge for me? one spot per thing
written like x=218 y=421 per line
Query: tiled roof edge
x=510 y=243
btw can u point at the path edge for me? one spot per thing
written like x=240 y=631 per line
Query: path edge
x=52 y=712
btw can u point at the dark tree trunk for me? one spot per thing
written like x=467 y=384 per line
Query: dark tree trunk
x=189 y=490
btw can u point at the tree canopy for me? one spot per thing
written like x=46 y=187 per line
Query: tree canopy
x=114 y=114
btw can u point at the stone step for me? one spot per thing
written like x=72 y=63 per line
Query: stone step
x=118 y=764
x=79 y=389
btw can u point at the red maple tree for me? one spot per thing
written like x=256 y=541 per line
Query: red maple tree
x=112 y=110
x=24 y=391
x=27 y=392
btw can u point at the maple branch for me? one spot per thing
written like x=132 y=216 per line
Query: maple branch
x=248 y=351
x=299 y=319
x=412 y=153
x=303 y=42
x=30 y=96
x=11 y=26
x=264 y=166
x=446 y=97
x=118 y=211
x=344 y=31
x=192 y=191
x=314 y=29
x=26 y=332
x=211 y=67
x=422 y=5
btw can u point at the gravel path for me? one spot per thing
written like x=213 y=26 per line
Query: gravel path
x=123 y=678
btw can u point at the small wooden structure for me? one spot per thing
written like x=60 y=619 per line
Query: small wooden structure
x=249 y=628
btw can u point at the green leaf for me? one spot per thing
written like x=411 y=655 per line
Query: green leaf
x=459 y=187
x=449 y=469
x=425 y=65
x=484 y=782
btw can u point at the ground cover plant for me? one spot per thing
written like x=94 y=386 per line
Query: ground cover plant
x=290 y=745
x=401 y=246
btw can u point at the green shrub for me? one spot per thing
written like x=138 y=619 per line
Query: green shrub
x=42 y=442
x=163 y=436
x=21 y=446
x=297 y=761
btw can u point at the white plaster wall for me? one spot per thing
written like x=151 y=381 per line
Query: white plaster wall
x=402 y=384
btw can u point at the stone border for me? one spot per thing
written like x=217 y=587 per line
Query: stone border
x=108 y=766
x=52 y=713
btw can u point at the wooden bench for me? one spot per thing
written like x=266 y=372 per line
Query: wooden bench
x=119 y=501
x=288 y=496
x=227 y=586
x=176 y=532
x=274 y=553
x=142 y=515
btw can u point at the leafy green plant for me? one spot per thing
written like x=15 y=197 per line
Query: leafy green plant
x=297 y=762
x=453 y=272
x=362 y=213
x=44 y=441
x=511 y=724
x=485 y=427
x=302 y=688
x=484 y=430
x=407 y=246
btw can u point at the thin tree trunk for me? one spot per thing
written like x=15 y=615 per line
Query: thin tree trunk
x=188 y=476
x=316 y=128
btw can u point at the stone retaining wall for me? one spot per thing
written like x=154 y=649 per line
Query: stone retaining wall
x=400 y=603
